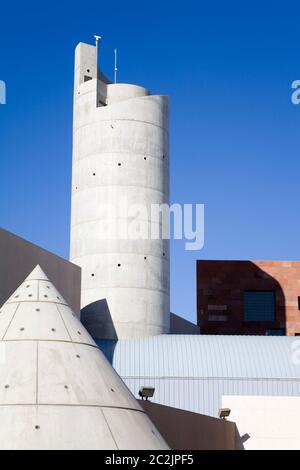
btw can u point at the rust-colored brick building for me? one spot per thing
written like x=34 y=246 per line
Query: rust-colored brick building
x=248 y=297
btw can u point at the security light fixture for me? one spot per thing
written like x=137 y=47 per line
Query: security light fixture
x=146 y=392
x=224 y=413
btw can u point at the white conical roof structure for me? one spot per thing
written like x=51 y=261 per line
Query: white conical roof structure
x=57 y=390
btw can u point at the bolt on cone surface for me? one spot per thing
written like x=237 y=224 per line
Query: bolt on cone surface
x=57 y=390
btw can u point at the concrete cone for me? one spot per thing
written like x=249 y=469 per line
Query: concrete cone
x=57 y=390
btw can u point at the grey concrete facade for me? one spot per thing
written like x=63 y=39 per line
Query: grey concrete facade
x=18 y=257
x=96 y=318
x=120 y=155
x=181 y=326
x=185 y=430
x=58 y=390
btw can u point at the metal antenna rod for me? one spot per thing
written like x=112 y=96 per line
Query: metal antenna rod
x=116 y=68
x=97 y=38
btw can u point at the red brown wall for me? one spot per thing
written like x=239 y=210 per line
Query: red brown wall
x=220 y=287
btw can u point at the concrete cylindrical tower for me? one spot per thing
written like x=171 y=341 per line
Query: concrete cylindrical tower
x=120 y=159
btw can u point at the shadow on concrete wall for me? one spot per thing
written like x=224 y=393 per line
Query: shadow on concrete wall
x=97 y=319
x=224 y=283
x=262 y=280
x=240 y=440
x=185 y=430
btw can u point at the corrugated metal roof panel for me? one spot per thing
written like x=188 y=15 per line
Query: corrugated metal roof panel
x=204 y=396
x=205 y=356
x=193 y=372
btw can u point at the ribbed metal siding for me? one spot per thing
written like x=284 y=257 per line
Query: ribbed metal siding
x=193 y=372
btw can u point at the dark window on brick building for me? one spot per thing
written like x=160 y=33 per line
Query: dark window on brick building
x=298 y=303
x=259 y=305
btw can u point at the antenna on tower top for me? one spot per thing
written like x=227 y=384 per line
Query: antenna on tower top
x=97 y=38
x=116 y=68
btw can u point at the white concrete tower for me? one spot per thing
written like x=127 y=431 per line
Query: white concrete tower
x=57 y=390
x=120 y=158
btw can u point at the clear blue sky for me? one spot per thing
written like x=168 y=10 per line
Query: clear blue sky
x=235 y=139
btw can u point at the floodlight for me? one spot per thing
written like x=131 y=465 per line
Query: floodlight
x=146 y=392
x=224 y=413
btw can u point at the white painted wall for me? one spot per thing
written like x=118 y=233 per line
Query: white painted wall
x=265 y=422
x=120 y=155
